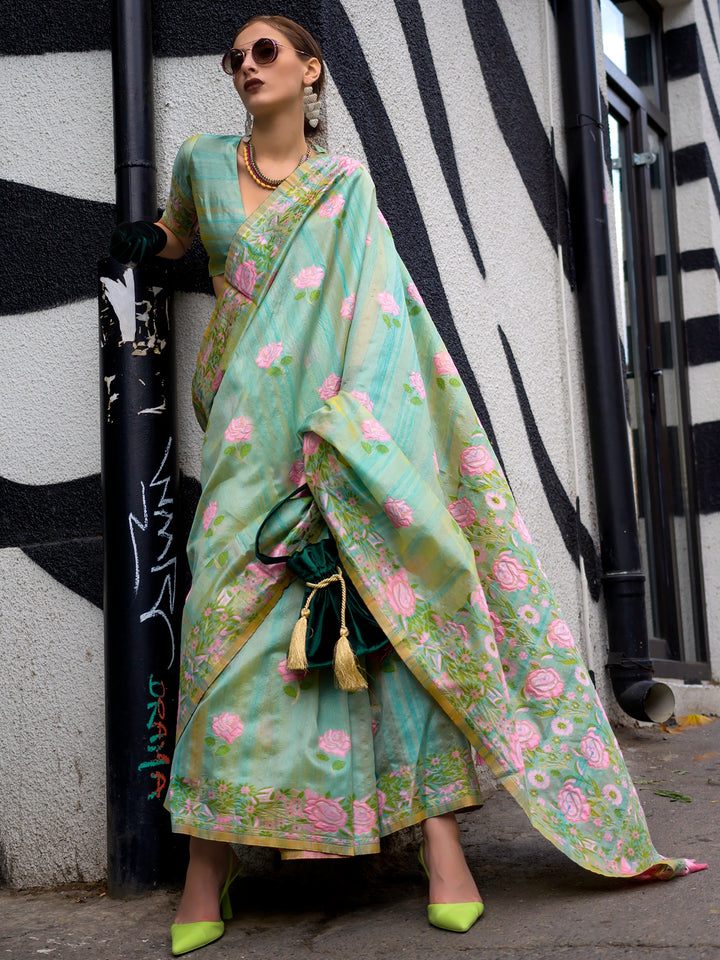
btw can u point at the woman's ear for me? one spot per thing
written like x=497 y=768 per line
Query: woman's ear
x=312 y=71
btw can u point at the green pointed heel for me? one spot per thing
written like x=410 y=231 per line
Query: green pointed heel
x=191 y=936
x=458 y=917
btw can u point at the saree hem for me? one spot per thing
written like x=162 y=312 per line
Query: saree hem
x=471 y=800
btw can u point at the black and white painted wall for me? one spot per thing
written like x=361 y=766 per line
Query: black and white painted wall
x=456 y=110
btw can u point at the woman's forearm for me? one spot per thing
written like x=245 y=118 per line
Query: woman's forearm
x=175 y=246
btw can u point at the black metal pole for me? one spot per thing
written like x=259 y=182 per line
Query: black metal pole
x=623 y=580
x=140 y=494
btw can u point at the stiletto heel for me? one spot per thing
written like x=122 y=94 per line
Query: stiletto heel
x=458 y=917
x=191 y=936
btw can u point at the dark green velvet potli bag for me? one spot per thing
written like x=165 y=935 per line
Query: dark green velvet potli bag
x=335 y=626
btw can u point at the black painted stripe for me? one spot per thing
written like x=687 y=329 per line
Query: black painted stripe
x=684 y=57
x=396 y=195
x=576 y=537
x=706 y=439
x=703 y=259
x=702 y=336
x=56 y=26
x=59 y=527
x=428 y=86
x=520 y=123
x=64 y=236
x=694 y=163
x=706 y=6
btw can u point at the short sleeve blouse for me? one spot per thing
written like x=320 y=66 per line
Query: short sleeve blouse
x=205 y=194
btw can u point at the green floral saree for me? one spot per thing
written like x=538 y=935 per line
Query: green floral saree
x=322 y=365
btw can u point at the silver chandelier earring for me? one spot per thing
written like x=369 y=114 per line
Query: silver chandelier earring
x=311 y=106
x=248 y=125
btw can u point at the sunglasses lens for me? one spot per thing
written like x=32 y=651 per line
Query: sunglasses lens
x=264 y=51
x=232 y=61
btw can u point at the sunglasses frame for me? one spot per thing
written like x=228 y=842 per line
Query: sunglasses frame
x=227 y=56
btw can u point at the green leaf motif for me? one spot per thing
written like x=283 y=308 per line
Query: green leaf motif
x=440 y=382
x=290 y=690
x=275 y=371
x=407 y=388
x=366 y=446
x=314 y=295
x=218 y=520
x=322 y=756
x=381 y=448
x=396 y=321
x=209 y=741
x=300 y=295
x=416 y=400
x=386 y=318
x=338 y=764
x=286 y=360
x=245 y=449
x=222 y=558
x=415 y=309
x=454 y=382
x=229 y=450
x=673 y=796
x=222 y=750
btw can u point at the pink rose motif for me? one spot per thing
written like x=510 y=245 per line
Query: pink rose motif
x=330 y=386
x=373 y=431
x=348 y=165
x=475 y=461
x=559 y=635
x=508 y=573
x=444 y=364
x=399 y=512
x=336 y=742
x=239 y=430
x=593 y=749
x=400 y=595
x=388 y=303
x=364 y=817
x=519 y=525
x=528 y=736
x=562 y=727
x=382 y=219
x=418 y=383
x=347 y=308
x=478 y=599
x=246 y=277
x=529 y=614
x=363 y=398
x=498 y=628
x=573 y=804
x=332 y=206
x=545 y=683
x=463 y=512
x=325 y=814
x=311 y=442
x=435 y=461
x=414 y=294
x=309 y=277
x=289 y=676
x=227 y=726
x=538 y=779
x=297 y=473
x=209 y=514
x=269 y=354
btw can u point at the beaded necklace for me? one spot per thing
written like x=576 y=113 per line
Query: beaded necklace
x=256 y=173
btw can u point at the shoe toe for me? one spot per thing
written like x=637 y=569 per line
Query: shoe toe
x=192 y=936
x=458 y=917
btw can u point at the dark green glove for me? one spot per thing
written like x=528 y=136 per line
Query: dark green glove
x=138 y=241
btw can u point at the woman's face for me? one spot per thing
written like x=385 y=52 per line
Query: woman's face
x=275 y=86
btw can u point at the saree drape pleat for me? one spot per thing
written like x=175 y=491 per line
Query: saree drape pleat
x=322 y=365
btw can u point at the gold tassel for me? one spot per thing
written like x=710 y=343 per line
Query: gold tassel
x=297 y=655
x=345 y=665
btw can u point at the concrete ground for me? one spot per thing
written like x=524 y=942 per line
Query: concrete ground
x=538 y=904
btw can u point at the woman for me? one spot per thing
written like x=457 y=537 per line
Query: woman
x=321 y=365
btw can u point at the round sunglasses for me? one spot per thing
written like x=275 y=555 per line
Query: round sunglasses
x=263 y=51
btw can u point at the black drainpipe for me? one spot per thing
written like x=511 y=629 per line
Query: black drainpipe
x=140 y=500
x=629 y=665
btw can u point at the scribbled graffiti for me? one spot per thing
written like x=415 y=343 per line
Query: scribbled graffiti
x=157 y=741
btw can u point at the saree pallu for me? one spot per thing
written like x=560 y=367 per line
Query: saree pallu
x=322 y=365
